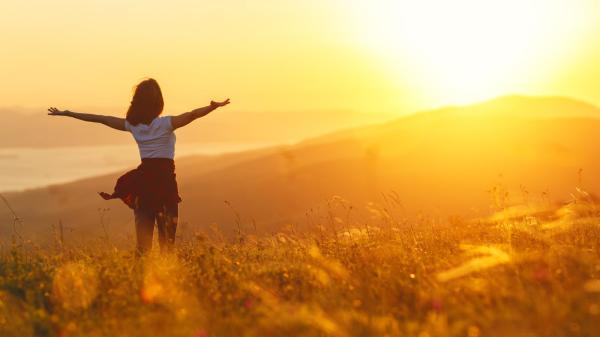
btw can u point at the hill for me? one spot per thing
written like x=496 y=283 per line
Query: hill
x=455 y=161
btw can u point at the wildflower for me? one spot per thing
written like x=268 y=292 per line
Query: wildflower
x=201 y=333
x=541 y=274
x=248 y=302
x=436 y=304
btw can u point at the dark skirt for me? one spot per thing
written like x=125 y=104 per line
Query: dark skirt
x=151 y=186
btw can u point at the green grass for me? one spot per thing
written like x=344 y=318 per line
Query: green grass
x=533 y=274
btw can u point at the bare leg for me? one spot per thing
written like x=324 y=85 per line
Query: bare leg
x=144 y=228
x=167 y=226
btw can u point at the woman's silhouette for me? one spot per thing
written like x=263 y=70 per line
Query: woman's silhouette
x=150 y=189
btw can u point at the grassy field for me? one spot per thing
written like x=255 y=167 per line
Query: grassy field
x=526 y=271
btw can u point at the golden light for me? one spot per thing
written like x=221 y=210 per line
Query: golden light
x=164 y=283
x=161 y=281
x=75 y=285
x=467 y=50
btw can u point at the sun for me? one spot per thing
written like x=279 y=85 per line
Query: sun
x=465 y=50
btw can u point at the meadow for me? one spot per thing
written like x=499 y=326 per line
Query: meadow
x=529 y=270
x=386 y=168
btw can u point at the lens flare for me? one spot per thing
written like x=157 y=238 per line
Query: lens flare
x=75 y=285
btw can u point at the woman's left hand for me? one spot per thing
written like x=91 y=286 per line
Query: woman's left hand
x=219 y=104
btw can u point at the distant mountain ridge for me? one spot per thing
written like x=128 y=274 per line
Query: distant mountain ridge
x=540 y=107
x=547 y=107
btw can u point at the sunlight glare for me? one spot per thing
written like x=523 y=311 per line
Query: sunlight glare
x=467 y=50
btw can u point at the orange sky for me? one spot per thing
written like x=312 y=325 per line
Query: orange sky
x=380 y=57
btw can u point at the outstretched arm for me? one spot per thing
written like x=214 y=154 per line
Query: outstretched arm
x=111 y=121
x=188 y=117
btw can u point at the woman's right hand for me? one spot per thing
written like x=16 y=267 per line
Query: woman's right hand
x=55 y=112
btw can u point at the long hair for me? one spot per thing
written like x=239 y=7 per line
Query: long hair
x=147 y=103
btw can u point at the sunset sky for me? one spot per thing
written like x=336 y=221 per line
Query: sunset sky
x=379 y=57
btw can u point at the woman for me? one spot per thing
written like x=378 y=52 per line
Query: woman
x=150 y=189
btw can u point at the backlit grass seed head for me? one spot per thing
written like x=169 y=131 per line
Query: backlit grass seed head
x=322 y=267
x=265 y=297
x=299 y=318
x=315 y=252
x=492 y=257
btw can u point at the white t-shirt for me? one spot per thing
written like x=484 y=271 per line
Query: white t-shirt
x=155 y=140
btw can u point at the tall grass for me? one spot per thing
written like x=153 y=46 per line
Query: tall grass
x=530 y=271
